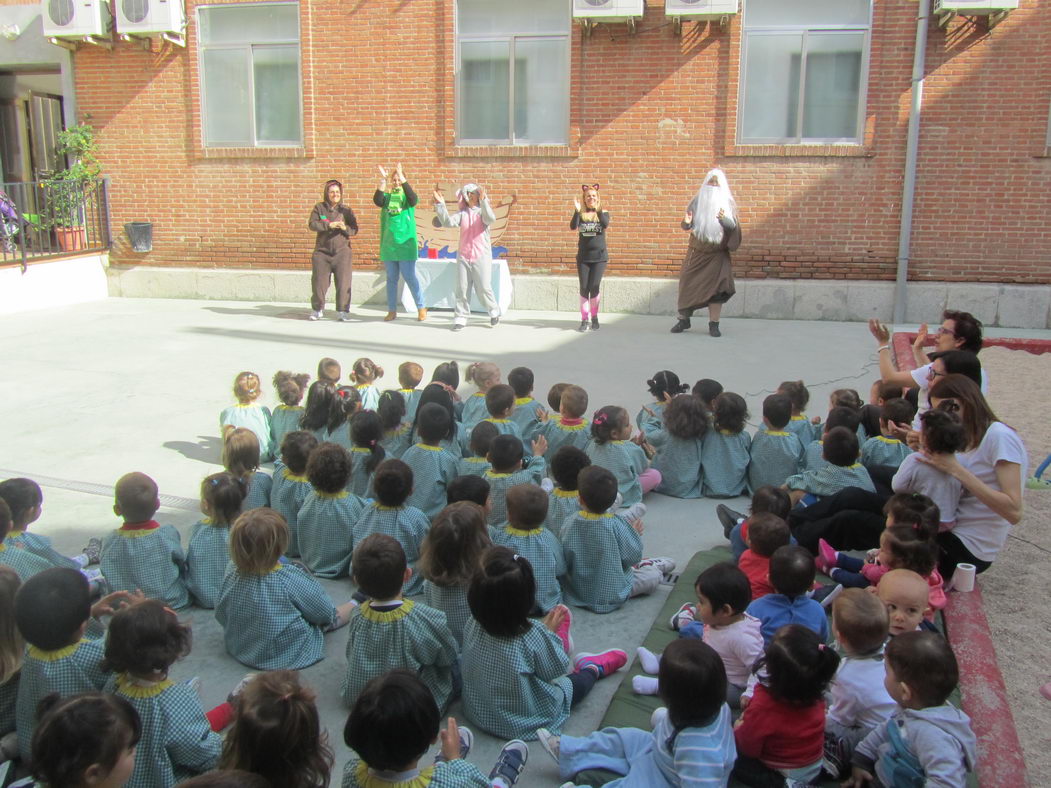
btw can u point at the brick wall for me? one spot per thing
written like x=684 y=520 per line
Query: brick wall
x=650 y=113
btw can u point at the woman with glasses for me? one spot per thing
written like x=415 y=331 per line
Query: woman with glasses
x=590 y=222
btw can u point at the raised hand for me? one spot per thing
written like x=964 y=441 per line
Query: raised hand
x=688 y=219
x=539 y=446
x=576 y=204
x=879 y=331
x=110 y=603
x=438 y=196
x=541 y=414
x=398 y=173
x=921 y=337
x=451 y=740
x=554 y=617
x=481 y=193
x=383 y=172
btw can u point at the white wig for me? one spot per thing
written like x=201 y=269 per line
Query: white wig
x=708 y=202
x=461 y=194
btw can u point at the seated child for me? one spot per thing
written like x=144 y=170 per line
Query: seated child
x=678 y=438
x=775 y=453
x=940 y=433
x=766 y=533
x=389 y=515
x=858 y=699
x=432 y=466
x=12 y=651
x=456 y=438
x=500 y=404
x=612 y=448
x=781 y=734
x=840 y=450
x=451 y=554
x=392 y=725
x=327 y=517
x=144 y=641
x=563 y=500
x=725 y=448
x=735 y=525
x=329 y=371
x=484 y=375
x=906 y=596
x=273 y=615
x=603 y=550
x=22 y=562
x=366 y=434
x=814 y=452
x=390 y=632
x=365 y=372
x=241 y=456
x=708 y=390
x=927 y=741
x=870 y=412
x=508 y=469
x=568 y=427
x=662 y=387
x=481 y=439
x=397 y=428
x=692 y=741
x=469 y=488
x=514 y=667
x=208 y=554
x=791 y=574
x=525 y=535
x=290 y=390
x=799 y=425
x=527 y=413
x=248 y=413
x=142 y=554
x=885 y=449
x=410 y=375
x=291 y=485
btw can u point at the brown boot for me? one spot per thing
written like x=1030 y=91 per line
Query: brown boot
x=421 y=315
x=391 y=316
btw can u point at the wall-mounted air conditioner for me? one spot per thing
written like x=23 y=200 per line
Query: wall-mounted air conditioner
x=76 y=18
x=150 y=17
x=592 y=11
x=700 y=9
x=995 y=10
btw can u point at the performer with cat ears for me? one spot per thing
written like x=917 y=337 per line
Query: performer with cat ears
x=590 y=222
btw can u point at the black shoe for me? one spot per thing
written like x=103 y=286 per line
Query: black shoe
x=494 y=320
x=728 y=517
x=458 y=327
x=594 y=324
x=682 y=325
x=713 y=329
x=583 y=325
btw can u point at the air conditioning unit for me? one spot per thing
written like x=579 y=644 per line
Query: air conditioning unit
x=76 y=18
x=974 y=7
x=700 y=9
x=609 y=10
x=146 y=17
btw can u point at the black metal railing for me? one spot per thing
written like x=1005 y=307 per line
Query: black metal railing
x=50 y=218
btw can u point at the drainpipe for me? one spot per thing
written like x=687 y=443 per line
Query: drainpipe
x=911 y=151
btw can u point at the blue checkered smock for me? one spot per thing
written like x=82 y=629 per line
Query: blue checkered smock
x=256 y=418
x=830 y=479
x=775 y=455
x=447 y=774
x=473 y=466
x=150 y=559
x=524 y=415
x=801 y=427
x=326 y=531
x=500 y=483
x=407 y=524
x=724 y=458
x=544 y=552
x=360 y=479
x=680 y=462
x=559 y=434
x=206 y=560
x=451 y=600
x=412 y=402
x=39 y=545
x=814 y=457
x=643 y=416
x=259 y=486
x=561 y=504
x=883 y=451
x=396 y=441
x=432 y=470
x=600 y=551
x=625 y=460
x=287 y=497
x=285 y=419
x=25 y=563
x=370 y=395
x=474 y=410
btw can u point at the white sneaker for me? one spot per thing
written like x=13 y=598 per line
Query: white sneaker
x=316 y=315
x=344 y=317
x=664 y=564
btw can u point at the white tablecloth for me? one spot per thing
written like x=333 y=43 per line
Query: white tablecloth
x=438 y=282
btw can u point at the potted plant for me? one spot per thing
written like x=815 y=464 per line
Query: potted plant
x=67 y=188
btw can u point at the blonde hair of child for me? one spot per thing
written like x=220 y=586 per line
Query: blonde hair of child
x=241 y=452
x=12 y=646
x=409 y=374
x=247 y=387
x=258 y=538
x=452 y=550
x=483 y=374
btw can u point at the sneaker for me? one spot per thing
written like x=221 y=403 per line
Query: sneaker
x=549 y=741
x=606 y=662
x=344 y=317
x=666 y=565
x=1036 y=483
x=93 y=550
x=317 y=314
x=509 y=765
x=466 y=742
x=681 y=326
x=494 y=320
x=458 y=326
x=683 y=616
x=713 y=329
x=826 y=558
x=583 y=326
x=235 y=693
x=594 y=324
x=836 y=756
x=194 y=683
x=563 y=631
x=728 y=517
x=826 y=595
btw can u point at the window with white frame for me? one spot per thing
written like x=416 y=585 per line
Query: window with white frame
x=512 y=72
x=251 y=92
x=804 y=69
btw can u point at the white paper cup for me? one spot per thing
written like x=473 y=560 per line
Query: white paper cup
x=963 y=577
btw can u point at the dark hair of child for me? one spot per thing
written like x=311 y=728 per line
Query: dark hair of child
x=502 y=593
x=365 y=370
x=474 y=489
x=329 y=371
x=573 y=400
x=797 y=394
x=5 y=519
x=295 y=450
x=567 y=463
x=145 y=639
x=328 y=468
x=433 y=422
x=597 y=488
x=521 y=380
x=725 y=585
x=12 y=644
x=409 y=374
x=227 y=778
x=51 y=608
x=81 y=731
x=730 y=412
x=391 y=409
x=943 y=432
x=607 y=420
x=554 y=395
x=840 y=447
x=898 y=411
x=889 y=390
x=452 y=549
x=913 y=547
x=482 y=437
x=526 y=506
x=366 y=433
x=665 y=382
x=241 y=452
x=224 y=493
x=321 y=398
x=394 y=721
x=392 y=483
x=792 y=570
x=925 y=663
x=798 y=666
x=707 y=389
x=777 y=411
x=247 y=387
x=136 y=495
x=290 y=387
x=258 y=538
x=346 y=403
x=771 y=499
x=277 y=733
x=686 y=417
x=448 y=372
x=499 y=400
x=766 y=533
x=378 y=566
x=914 y=510
x=22 y=496
x=843 y=417
x=846 y=398
x=505 y=454
x=691 y=683
x=860 y=618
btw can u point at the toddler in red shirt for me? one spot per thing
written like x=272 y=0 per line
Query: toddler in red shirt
x=766 y=533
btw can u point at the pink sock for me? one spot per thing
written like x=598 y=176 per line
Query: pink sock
x=594 y=305
x=583 y=308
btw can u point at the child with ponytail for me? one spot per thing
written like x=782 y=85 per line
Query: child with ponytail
x=222 y=495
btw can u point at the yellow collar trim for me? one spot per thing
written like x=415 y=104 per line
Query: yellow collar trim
x=137 y=533
x=476 y=459
x=495 y=475
x=478 y=394
x=282 y=406
x=14 y=534
x=729 y=432
x=406 y=391
x=127 y=686
x=331 y=496
x=593 y=516
x=360 y=386
x=560 y=493
x=367 y=778
x=855 y=466
x=277 y=568
x=510 y=530
x=288 y=475
x=57 y=654
x=777 y=432
x=570 y=427
x=429 y=448
x=382 y=508
x=492 y=420
x=523 y=400
x=885 y=439
x=360 y=450
x=246 y=405
x=386 y=616
x=800 y=417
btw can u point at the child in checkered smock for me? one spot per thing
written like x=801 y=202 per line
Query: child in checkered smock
x=604 y=551
x=525 y=413
x=563 y=500
x=885 y=449
x=567 y=427
x=24 y=563
x=611 y=448
x=505 y=455
x=389 y=515
x=481 y=439
x=291 y=485
x=724 y=449
x=662 y=387
x=365 y=372
x=843 y=470
x=484 y=375
x=326 y=520
x=525 y=535
x=451 y=553
x=775 y=453
x=248 y=413
x=144 y=641
x=678 y=439
x=410 y=375
x=273 y=615
x=456 y=438
x=798 y=424
x=814 y=452
x=514 y=667
x=12 y=647
x=142 y=554
x=290 y=389
x=209 y=551
x=241 y=458
x=390 y=632
x=500 y=404
x=397 y=429
x=432 y=466
x=346 y=404
x=367 y=433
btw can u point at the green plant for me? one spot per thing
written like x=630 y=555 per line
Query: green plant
x=66 y=187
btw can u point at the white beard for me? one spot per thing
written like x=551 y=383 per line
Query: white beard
x=706 y=226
